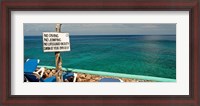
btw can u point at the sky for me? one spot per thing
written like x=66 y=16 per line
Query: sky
x=36 y=29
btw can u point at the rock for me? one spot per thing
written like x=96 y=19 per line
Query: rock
x=85 y=80
x=78 y=75
x=46 y=75
x=48 y=71
x=79 y=80
x=88 y=76
x=50 y=74
x=82 y=80
x=53 y=71
x=92 y=80
x=96 y=78
x=82 y=76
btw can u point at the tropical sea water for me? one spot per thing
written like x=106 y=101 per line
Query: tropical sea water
x=150 y=55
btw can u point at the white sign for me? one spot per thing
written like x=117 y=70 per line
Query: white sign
x=55 y=42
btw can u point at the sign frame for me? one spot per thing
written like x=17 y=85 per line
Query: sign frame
x=193 y=6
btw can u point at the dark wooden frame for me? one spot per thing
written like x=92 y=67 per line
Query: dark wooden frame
x=193 y=6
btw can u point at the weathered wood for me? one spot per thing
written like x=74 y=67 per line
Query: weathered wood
x=58 y=59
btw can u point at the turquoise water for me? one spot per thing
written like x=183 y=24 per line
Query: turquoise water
x=152 y=55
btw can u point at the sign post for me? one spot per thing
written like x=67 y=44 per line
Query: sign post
x=58 y=58
x=56 y=42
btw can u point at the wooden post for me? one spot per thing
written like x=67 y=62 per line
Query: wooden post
x=58 y=59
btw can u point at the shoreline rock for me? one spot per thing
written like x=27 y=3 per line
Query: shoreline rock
x=84 y=77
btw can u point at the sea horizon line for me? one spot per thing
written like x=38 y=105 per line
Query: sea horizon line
x=112 y=35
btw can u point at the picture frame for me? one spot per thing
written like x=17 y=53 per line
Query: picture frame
x=193 y=6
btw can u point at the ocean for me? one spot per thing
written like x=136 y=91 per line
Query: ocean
x=150 y=55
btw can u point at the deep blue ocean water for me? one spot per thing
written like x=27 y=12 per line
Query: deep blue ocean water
x=152 y=55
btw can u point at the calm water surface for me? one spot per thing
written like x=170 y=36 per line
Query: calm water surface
x=131 y=54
